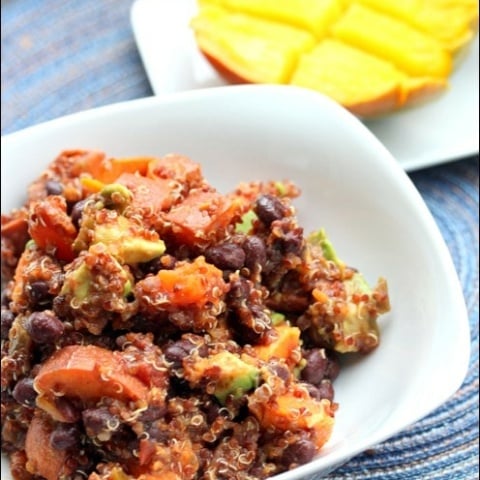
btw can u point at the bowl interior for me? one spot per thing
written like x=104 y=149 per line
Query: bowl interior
x=350 y=185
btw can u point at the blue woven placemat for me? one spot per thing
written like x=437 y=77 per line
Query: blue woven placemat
x=60 y=57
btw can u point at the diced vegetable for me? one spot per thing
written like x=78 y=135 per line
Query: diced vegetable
x=189 y=284
x=42 y=459
x=202 y=215
x=229 y=373
x=345 y=308
x=294 y=409
x=109 y=169
x=150 y=196
x=127 y=242
x=177 y=167
x=86 y=372
x=52 y=228
x=286 y=346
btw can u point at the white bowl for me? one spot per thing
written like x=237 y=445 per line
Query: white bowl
x=351 y=186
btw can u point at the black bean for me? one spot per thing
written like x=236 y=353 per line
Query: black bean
x=7 y=320
x=77 y=212
x=333 y=368
x=212 y=410
x=312 y=391
x=157 y=434
x=24 y=392
x=53 y=187
x=226 y=256
x=255 y=252
x=239 y=291
x=177 y=351
x=179 y=387
x=325 y=390
x=270 y=208
x=44 y=327
x=292 y=241
x=68 y=408
x=299 y=453
x=280 y=371
x=153 y=412
x=65 y=437
x=316 y=366
x=38 y=293
x=153 y=266
x=6 y=299
x=97 y=420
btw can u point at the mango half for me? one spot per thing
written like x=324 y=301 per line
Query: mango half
x=371 y=56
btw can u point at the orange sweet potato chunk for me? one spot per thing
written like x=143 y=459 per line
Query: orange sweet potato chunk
x=86 y=372
x=294 y=409
x=196 y=283
x=283 y=347
x=150 y=195
x=107 y=170
x=202 y=215
x=52 y=228
x=42 y=459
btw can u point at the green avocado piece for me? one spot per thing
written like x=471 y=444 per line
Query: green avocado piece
x=237 y=376
x=358 y=323
x=126 y=247
x=234 y=377
x=78 y=282
x=116 y=196
x=356 y=328
x=246 y=222
x=277 y=318
x=281 y=188
x=320 y=238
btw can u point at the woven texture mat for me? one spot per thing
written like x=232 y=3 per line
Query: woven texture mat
x=60 y=57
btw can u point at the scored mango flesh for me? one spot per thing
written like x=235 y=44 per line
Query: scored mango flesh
x=371 y=56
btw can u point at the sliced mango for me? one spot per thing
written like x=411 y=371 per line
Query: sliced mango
x=415 y=52
x=330 y=67
x=452 y=22
x=253 y=48
x=372 y=56
x=314 y=16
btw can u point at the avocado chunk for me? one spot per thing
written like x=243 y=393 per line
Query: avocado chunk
x=125 y=239
x=320 y=238
x=122 y=242
x=246 y=222
x=79 y=282
x=359 y=329
x=346 y=309
x=228 y=372
x=116 y=196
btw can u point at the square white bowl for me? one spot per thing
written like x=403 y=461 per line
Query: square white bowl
x=351 y=186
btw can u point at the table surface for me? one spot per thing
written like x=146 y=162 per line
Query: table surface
x=63 y=56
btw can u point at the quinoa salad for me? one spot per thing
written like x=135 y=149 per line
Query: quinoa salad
x=155 y=328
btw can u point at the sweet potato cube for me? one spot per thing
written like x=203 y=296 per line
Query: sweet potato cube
x=86 y=372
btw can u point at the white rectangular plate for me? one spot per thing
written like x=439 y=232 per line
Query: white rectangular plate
x=442 y=130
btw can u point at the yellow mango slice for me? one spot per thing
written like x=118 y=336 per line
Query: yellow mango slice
x=452 y=22
x=255 y=49
x=409 y=49
x=315 y=16
x=332 y=65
